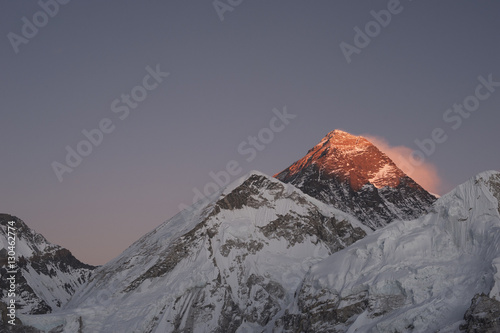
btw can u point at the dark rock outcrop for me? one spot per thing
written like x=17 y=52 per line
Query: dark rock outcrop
x=483 y=316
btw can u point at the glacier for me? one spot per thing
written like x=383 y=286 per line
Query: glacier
x=418 y=275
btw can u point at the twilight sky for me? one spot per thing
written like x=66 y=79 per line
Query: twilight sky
x=102 y=64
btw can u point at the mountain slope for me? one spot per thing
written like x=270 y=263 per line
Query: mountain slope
x=417 y=276
x=231 y=263
x=262 y=256
x=47 y=274
x=354 y=176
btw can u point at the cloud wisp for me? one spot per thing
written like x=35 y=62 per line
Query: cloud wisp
x=425 y=174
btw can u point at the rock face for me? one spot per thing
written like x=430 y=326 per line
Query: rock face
x=412 y=276
x=482 y=316
x=351 y=174
x=47 y=274
x=233 y=263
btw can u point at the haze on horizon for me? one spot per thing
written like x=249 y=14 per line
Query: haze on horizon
x=203 y=86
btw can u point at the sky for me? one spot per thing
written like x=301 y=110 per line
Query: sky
x=115 y=113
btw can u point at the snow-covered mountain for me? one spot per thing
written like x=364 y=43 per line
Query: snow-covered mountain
x=232 y=263
x=262 y=255
x=353 y=175
x=47 y=274
x=413 y=276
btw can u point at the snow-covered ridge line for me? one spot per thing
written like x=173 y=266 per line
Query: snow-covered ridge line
x=259 y=237
x=420 y=274
x=261 y=255
x=47 y=274
x=325 y=208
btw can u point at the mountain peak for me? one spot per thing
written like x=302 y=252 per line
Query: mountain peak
x=340 y=133
x=47 y=274
x=341 y=137
x=353 y=175
x=351 y=158
x=234 y=265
